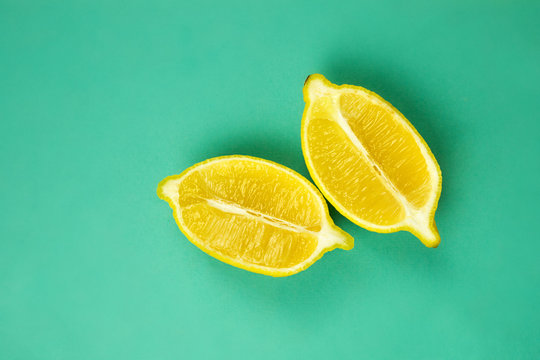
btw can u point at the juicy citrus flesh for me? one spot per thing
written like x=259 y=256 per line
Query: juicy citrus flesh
x=369 y=161
x=253 y=214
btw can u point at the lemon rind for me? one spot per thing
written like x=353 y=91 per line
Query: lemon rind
x=430 y=236
x=333 y=237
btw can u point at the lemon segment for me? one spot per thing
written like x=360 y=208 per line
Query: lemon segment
x=369 y=161
x=253 y=214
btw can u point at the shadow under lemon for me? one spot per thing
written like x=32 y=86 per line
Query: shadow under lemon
x=295 y=297
x=331 y=278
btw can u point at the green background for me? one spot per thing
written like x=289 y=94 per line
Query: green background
x=100 y=100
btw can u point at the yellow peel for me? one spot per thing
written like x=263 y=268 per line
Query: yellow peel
x=253 y=214
x=369 y=161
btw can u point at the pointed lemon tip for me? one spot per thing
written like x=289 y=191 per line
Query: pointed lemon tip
x=160 y=188
x=168 y=187
x=338 y=238
x=425 y=230
x=348 y=242
x=316 y=85
x=432 y=240
x=159 y=191
x=430 y=236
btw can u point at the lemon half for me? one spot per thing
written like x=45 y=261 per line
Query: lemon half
x=253 y=214
x=369 y=161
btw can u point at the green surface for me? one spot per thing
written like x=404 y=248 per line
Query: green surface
x=99 y=100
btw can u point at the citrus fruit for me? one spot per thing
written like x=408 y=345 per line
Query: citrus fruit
x=369 y=161
x=253 y=214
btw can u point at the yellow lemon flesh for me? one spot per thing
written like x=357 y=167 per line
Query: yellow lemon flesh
x=369 y=161
x=253 y=214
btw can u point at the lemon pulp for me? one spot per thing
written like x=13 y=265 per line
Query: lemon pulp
x=253 y=214
x=369 y=161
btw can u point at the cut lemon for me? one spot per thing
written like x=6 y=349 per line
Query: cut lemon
x=253 y=214
x=369 y=161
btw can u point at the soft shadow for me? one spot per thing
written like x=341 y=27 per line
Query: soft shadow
x=320 y=288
